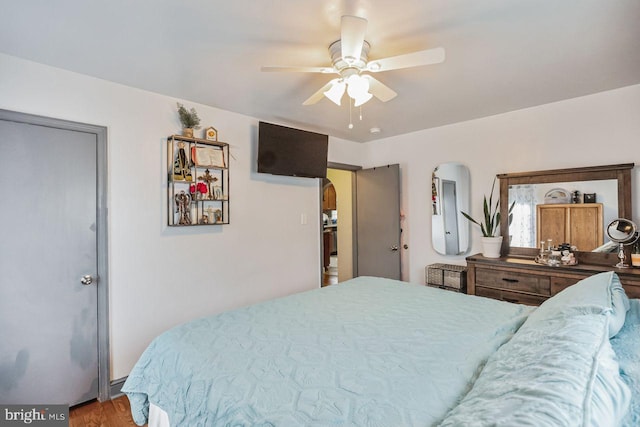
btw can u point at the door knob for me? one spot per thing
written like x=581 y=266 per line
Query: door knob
x=394 y=248
x=86 y=280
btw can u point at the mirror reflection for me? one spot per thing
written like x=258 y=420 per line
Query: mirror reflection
x=450 y=195
x=571 y=212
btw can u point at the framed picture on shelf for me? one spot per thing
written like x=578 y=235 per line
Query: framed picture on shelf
x=211 y=134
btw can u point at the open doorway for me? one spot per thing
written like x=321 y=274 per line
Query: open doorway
x=338 y=226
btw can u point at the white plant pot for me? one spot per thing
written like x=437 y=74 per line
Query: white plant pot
x=491 y=246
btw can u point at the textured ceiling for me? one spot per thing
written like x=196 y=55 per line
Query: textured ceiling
x=502 y=55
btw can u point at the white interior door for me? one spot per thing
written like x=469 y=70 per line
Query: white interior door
x=48 y=318
x=378 y=221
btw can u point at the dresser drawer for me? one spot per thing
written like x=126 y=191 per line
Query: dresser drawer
x=507 y=280
x=632 y=291
x=560 y=283
x=509 y=296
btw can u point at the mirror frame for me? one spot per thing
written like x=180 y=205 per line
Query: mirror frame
x=619 y=172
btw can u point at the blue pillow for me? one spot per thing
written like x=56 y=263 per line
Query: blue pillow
x=600 y=293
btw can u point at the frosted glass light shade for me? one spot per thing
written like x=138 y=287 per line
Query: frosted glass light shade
x=336 y=91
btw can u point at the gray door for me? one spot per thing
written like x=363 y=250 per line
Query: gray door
x=378 y=217
x=48 y=318
x=450 y=215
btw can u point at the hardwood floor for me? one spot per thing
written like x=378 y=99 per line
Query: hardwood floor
x=113 y=413
x=330 y=275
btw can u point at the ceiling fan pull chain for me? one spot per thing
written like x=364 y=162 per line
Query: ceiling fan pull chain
x=350 y=119
x=361 y=113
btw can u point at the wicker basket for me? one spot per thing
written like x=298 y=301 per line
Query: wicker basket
x=449 y=276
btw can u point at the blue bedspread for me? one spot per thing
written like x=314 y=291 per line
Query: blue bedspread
x=367 y=352
x=627 y=347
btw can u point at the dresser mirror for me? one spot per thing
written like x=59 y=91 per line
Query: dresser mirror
x=612 y=188
x=450 y=194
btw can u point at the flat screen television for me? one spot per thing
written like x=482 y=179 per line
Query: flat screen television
x=291 y=152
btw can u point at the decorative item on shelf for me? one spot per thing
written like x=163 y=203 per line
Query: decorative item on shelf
x=183 y=208
x=189 y=120
x=181 y=170
x=208 y=179
x=624 y=232
x=217 y=216
x=210 y=214
x=207 y=157
x=589 y=197
x=198 y=190
x=217 y=193
x=576 y=196
x=557 y=196
x=491 y=243
x=211 y=134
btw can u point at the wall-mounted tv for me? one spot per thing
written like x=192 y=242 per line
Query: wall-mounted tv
x=291 y=152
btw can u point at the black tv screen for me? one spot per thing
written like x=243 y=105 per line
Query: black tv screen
x=291 y=152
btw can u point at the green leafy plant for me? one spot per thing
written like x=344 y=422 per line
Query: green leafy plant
x=491 y=222
x=188 y=118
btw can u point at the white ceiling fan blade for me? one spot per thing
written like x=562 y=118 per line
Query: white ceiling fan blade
x=378 y=89
x=353 y=29
x=414 y=59
x=319 y=94
x=299 y=69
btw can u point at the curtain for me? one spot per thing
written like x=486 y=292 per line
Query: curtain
x=523 y=226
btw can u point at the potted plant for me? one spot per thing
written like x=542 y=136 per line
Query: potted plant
x=189 y=120
x=490 y=225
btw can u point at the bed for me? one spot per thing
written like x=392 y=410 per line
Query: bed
x=378 y=352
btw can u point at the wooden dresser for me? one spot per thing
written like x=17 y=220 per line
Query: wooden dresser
x=523 y=281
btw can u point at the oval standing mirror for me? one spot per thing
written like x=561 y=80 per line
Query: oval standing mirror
x=623 y=232
x=450 y=195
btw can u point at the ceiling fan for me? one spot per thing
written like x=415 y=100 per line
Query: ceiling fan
x=350 y=59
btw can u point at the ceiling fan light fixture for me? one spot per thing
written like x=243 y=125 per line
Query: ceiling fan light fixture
x=357 y=86
x=358 y=89
x=362 y=99
x=336 y=91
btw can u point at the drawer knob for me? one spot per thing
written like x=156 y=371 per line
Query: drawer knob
x=505 y=279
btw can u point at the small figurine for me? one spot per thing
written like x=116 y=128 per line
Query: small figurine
x=568 y=258
x=181 y=170
x=183 y=208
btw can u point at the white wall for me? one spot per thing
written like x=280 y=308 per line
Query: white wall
x=163 y=276
x=593 y=130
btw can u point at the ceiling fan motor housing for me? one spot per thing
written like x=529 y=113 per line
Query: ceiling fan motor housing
x=344 y=68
